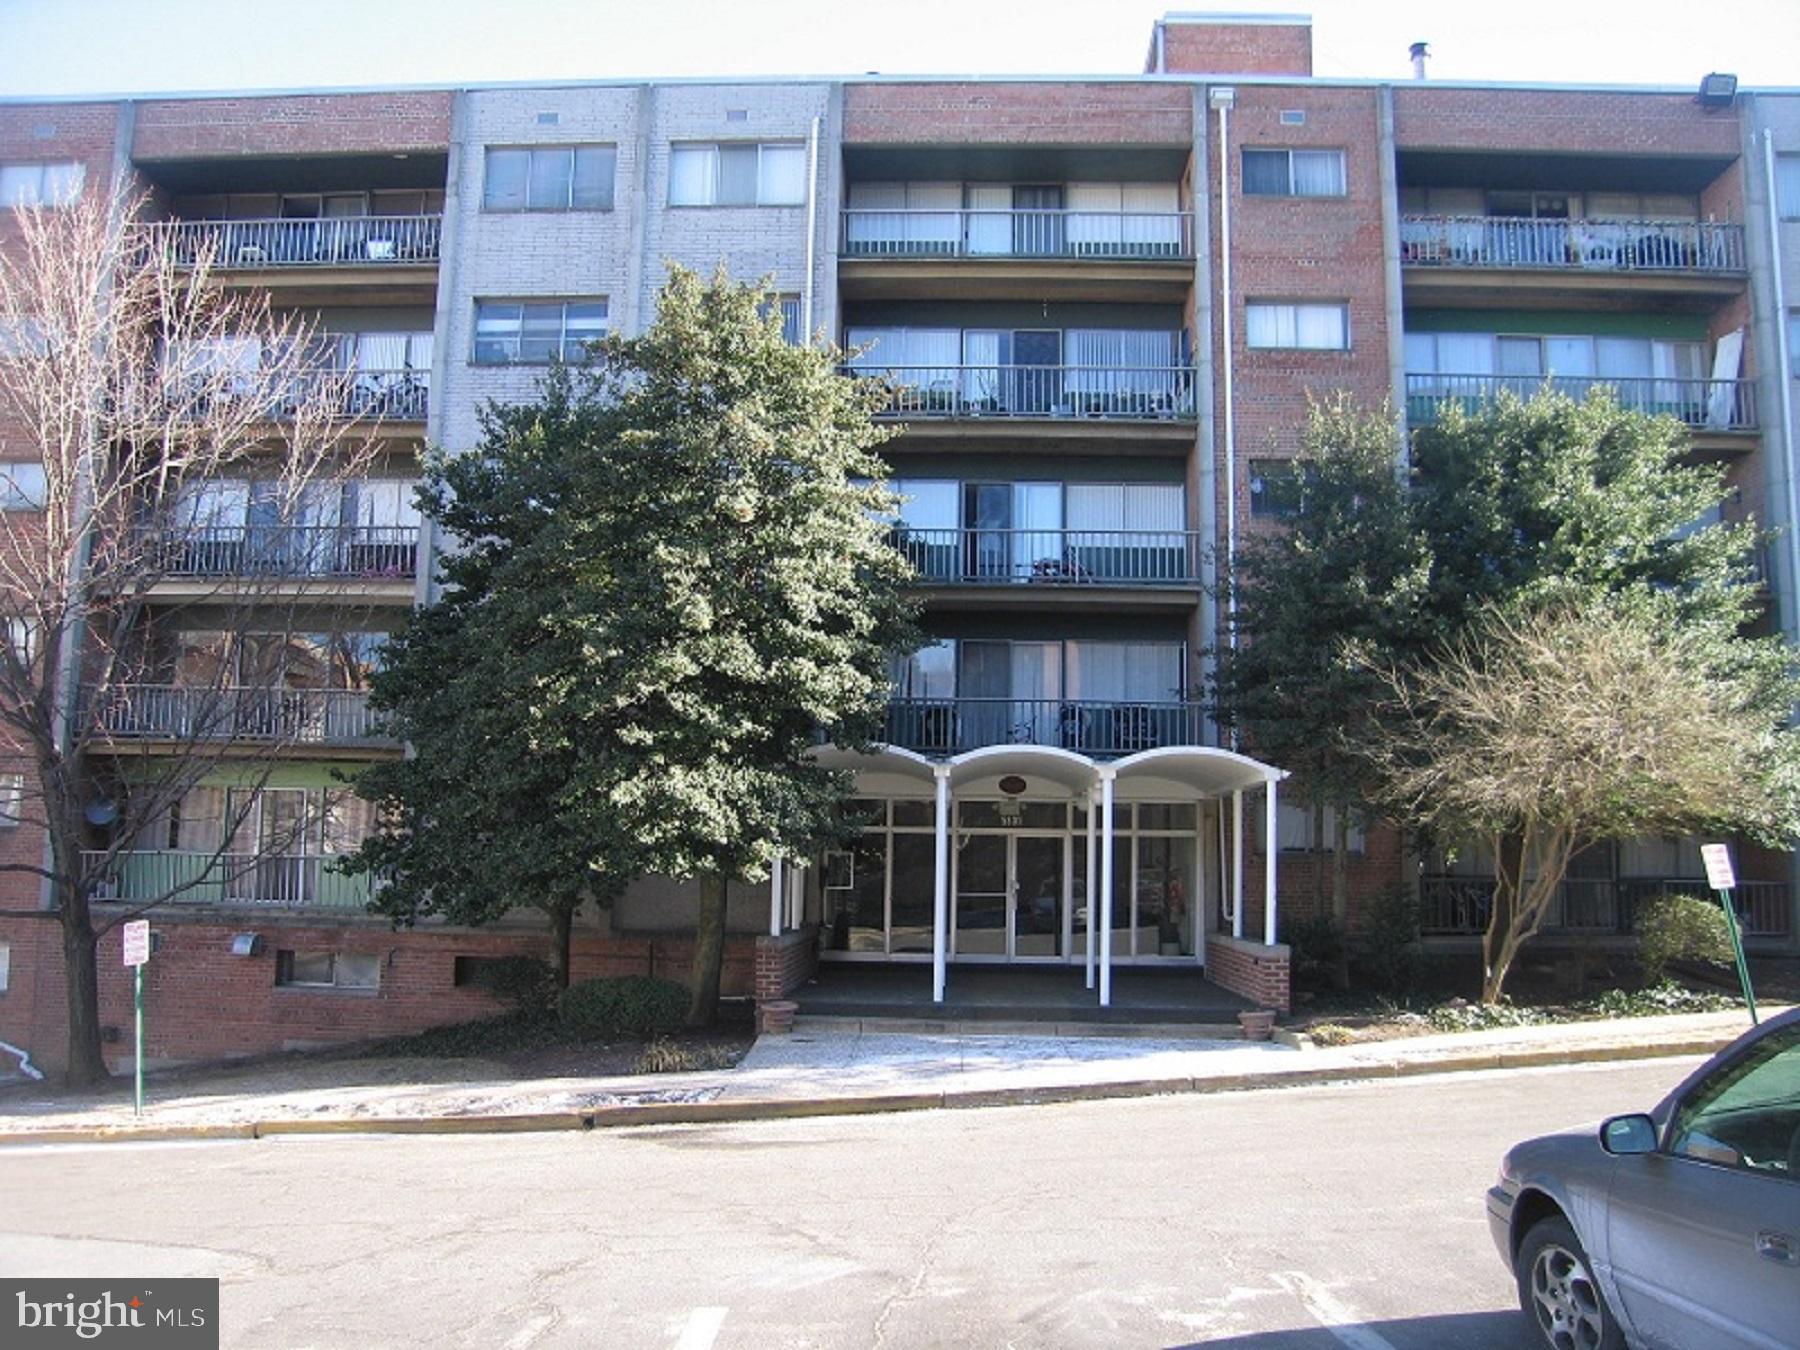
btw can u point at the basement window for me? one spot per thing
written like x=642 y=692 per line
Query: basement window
x=327 y=970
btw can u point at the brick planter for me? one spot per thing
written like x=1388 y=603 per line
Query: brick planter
x=776 y=1017
x=1258 y=1024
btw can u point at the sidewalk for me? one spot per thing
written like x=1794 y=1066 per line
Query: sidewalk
x=827 y=1072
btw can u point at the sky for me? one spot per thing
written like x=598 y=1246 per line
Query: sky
x=136 y=46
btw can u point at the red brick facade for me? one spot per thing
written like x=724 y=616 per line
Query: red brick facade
x=1003 y=113
x=1249 y=970
x=307 y=124
x=783 y=964
x=1206 y=48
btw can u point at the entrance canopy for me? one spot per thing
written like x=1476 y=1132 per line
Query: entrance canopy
x=1048 y=772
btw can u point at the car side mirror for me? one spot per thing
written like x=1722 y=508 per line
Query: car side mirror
x=1626 y=1136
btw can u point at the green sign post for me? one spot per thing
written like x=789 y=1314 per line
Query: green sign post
x=137 y=952
x=1723 y=880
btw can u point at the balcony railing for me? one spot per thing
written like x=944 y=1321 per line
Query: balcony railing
x=1460 y=904
x=1575 y=245
x=1711 y=405
x=353 y=241
x=274 y=881
x=343 y=552
x=1099 y=235
x=155 y=712
x=375 y=395
x=1103 y=728
x=1142 y=393
x=977 y=557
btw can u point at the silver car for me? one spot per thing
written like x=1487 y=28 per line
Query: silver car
x=1676 y=1230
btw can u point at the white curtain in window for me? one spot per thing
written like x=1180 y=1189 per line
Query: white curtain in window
x=1625 y=360
x=1569 y=357
x=1037 y=510
x=1318 y=173
x=386 y=502
x=381 y=351
x=200 y=820
x=781 y=175
x=933 y=220
x=1152 y=217
x=875 y=224
x=929 y=672
x=214 y=504
x=1096 y=506
x=1319 y=327
x=1094 y=223
x=693 y=175
x=1152 y=671
x=1465 y=353
x=929 y=503
x=1124 y=361
x=1097 y=671
x=1036 y=690
x=990 y=218
x=981 y=373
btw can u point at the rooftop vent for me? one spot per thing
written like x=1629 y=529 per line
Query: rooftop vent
x=1419 y=51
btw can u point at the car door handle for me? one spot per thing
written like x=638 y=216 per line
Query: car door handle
x=1780 y=1247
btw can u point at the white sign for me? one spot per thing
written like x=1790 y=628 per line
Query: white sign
x=137 y=942
x=1718 y=866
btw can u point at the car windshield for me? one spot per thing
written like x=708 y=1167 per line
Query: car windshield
x=1747 y=1114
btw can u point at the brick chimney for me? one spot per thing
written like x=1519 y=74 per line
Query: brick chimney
x=1231 y=44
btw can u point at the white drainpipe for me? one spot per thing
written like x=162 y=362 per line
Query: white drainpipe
x=1223 y=99
x=812 y=229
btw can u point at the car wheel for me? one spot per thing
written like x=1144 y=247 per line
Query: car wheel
x=1558 y=1291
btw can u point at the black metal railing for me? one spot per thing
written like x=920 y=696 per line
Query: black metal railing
x=161 y=712
x=349 y=552
x=1461 y=904
x=1712 y=405
x=1102 y=728
x=1162 y=393
x=978 y=557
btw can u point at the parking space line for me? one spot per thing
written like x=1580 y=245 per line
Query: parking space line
x=1330 y=1312
x=702 y=1329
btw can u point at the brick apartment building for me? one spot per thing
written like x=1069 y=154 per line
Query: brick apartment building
x=1105 y=302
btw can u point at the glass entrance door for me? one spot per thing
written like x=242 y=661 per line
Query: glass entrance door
x=1037 y=920
x=1009 y=897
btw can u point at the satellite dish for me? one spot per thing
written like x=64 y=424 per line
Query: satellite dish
x=100 y=811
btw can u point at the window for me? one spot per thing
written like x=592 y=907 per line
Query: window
x=1277 y=488
x=1302 y=327
x=55 y=184
x=5 y=965
x=22 y=487
x=1787 y=186
x=549 y=178
x=21 y=637
x=1295 y=832
x=12 y=799
x=790 y=321
x=737 y=175
x=1793 y=336
x=1744 y=1115
x=534 y=332
x=327 y=970
x=1294 y=173
x=22 y=335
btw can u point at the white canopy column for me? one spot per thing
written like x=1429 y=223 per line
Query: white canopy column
x=940 y=908
x=777 y=894
x=1091 y=893
x=1108 y=776
x=1237 y=864
x=1270 y=853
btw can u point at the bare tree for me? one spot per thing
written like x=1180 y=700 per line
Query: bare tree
x=1542 y=730
x=136 y=380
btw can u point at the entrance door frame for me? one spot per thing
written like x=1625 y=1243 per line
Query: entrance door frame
x=1064 y=906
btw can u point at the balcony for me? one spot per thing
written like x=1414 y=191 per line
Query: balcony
x=345 y=553
x=1459 y=905
x=287 y=881
x=379 y=396
x=1711 y=406
x=1559 y=263
x=1099 y=728
x=255 y=716
x=1118 y=256
x=1046 y=393
x=258 y=245
x=1051 y=558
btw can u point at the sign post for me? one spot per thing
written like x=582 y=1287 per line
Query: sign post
x=1721 y=878
x=137 y=952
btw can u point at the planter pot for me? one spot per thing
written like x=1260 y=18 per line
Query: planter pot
x=1258 y=1024
x=776 y=1017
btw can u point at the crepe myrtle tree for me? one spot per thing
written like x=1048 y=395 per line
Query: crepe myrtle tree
x=1541 y=728
x=129 y=384
x=669 y=579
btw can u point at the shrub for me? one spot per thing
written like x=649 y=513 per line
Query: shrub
x=663 y=1056
x=523 y=981
x=1316 y=942
x=1385 y=952
x=1331 y=1033
x=1681 y=928
x=1658 y=999
x=631 y=1005
x=1459 y=1016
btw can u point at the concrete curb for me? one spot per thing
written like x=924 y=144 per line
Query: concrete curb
x=794 y=1108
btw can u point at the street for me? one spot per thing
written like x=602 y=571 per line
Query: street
x=1301 y=1219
